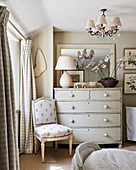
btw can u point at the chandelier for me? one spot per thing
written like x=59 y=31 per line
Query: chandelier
x=82 y=58
x=100 y=30
x=84 y=55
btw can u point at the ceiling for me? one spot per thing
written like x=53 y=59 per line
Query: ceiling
x=69 y=15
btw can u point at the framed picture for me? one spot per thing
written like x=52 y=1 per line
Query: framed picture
x=130 y=59
x=77 y=76
x=130 y=83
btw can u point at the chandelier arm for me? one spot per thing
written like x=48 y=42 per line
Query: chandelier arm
x=79 y=58
x=92 y=33
x=115 y=31
x=109 y=33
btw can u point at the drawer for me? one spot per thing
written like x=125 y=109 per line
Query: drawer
x=99 y=135
x=89 y=120
x=72 y=107
x=105 y=95
x=71 y=95
x=88 y=107
x=106 y=107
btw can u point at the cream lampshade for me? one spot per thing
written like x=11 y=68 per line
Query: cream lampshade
x=116 y=22
x=91 y=52
x=90 y=25
x=101 y=22
x=65 y=63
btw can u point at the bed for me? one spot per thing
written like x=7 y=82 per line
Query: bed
x=89 y=156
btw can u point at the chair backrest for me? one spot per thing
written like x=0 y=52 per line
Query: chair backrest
x=44 y=111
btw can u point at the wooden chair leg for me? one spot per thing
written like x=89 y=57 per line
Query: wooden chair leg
x=35 y=144
x=56 y=145
x=70 y=145
x=42 y=150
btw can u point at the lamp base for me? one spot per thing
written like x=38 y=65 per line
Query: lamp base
x=65 y=80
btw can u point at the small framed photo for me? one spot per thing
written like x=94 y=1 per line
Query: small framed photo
x=129 y=83
x=77 y=76
x=130 y=59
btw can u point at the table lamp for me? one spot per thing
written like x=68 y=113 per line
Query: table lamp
x=65 y=63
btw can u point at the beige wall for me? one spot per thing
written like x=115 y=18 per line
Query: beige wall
x=44 y=41
x=127 y=39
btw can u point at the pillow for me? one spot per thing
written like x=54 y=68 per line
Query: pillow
x=85 y=153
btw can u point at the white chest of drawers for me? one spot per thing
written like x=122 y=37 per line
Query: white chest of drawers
x=95 y=114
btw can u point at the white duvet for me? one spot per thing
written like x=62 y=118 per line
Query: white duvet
x=111 y=159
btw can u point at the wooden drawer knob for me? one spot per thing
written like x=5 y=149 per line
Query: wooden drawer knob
x=72 y=107
x=105 y=106
x=72 y=121
x=105 y=94
x=105 y=135
x=105 y=120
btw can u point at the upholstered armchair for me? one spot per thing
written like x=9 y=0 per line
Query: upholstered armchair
x=45 y=125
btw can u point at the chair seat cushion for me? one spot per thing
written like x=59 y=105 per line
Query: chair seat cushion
x=53 y=130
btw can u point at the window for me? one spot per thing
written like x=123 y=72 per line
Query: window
x=14 y=45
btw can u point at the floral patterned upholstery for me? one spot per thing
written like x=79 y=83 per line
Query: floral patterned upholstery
x=44 y=111
x=53 y=130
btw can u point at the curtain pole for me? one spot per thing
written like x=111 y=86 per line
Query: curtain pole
x=17 y=30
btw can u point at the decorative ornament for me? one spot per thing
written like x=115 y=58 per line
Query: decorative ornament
x=41 y=64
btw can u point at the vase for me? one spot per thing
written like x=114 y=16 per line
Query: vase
x=109 y=83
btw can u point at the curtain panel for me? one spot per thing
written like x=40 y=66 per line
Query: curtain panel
x=28 y=93
x=9 y=157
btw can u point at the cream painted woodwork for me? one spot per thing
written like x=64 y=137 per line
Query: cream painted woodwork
x=44 y=41
x=71 y=95
x=98 y=135
x=105 y=95
x=95 y=114
x=87 y=106
x=89 y=120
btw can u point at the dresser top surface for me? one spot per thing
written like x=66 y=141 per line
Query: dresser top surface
x=86 y=89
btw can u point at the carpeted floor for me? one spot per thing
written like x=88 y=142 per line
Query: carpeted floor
x=55 y=159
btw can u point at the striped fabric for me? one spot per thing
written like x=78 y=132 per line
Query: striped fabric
x=9 y=157
x=28 y=93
